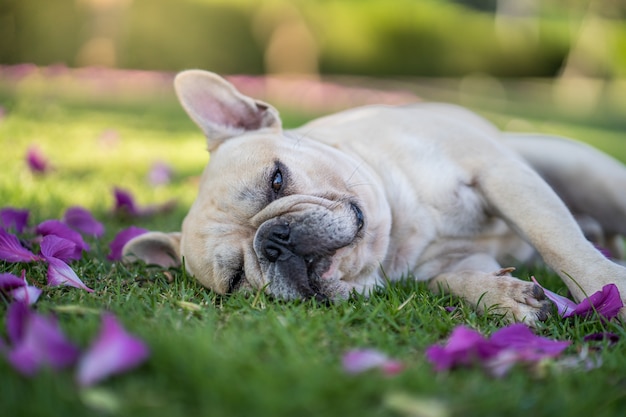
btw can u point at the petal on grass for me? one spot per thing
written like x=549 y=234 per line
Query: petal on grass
x=530 y=347
x=60 y=229
x=11 y=250
x=124 y=203
x=27 y=294
x=123 y=236
x=53 y=246
x=41 y=343
x=464 y=347
x=114 y=351
x=36 y=161
x=361 y=360
x=60 y=273
x=81 y=219
x=160 y=173
x=10 y=281
x=607 y=302
x=12 y=218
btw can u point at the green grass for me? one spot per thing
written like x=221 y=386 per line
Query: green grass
x=248 y=355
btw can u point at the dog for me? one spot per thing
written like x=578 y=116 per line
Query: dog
x=374 y=194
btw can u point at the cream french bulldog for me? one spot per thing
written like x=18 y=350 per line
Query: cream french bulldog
x=352 y=200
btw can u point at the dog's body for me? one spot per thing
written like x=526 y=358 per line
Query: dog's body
x=350 y=200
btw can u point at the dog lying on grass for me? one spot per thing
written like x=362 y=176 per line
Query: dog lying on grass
x=351 y=200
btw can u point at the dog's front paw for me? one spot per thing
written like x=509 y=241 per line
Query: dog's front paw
x=519 y=300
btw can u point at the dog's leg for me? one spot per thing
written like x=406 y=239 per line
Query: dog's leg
x=479 y=280
x=530 y=206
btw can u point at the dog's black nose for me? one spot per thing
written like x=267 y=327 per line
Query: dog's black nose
x=276 y=242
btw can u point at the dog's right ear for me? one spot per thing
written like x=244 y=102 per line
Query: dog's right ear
x=219 y=109
x=154 y=248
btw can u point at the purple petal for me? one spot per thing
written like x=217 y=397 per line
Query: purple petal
x=41 y=342
x=60 y=229
x=607 y=302
x=564 y=305
x=27 y=294
x=10 y=281
x=12 y=218
x=117 y=245
x=114 y=351
x=60 y=273
x=464 y=347
x=53 y=246
x=12 y=251
x=160 y=173
x=82 y=220
x=36 y=161
x=612 y=338
x=361 y=360
x=530 y=347
x=17 y=315
x=124 y=203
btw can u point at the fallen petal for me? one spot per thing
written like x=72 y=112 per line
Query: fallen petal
x=11 y=250
x=564 y=305
x=53 y=246
x=464 y=347
x=124 y=203
x=114 y=351
x=80 y=219
x=117 y=245
x=607 y=302
x=529 y=347
x=60 y=229
x=361 y=360
x=36 y=161
x=160 y=173
x=12 y=218
x=60 y=273
x=27 y=294
x=10 y=281
x=41 y=343
x=16 y=318
x=611 y=337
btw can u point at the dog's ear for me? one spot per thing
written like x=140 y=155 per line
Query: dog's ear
x=219 y=109
x=154 y=248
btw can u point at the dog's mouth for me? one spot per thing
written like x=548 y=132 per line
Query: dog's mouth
x=296 y=252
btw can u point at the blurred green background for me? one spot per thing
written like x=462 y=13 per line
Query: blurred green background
x=503 y=38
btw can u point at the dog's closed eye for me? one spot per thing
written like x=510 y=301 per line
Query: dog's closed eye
x=236 y=280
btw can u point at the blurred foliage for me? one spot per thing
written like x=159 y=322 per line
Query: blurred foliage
x=371 y=37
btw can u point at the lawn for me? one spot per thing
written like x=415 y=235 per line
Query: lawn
x=249 y=355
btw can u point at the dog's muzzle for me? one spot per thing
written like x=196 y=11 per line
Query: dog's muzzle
x=295 y=251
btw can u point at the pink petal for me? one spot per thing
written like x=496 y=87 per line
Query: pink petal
x=82 y=220
x=10 y=281
x=11 y=249
x=27 y=294
x=564 y=305
x=53 y=246
x=60 y=273
x=607 y=302
x=464 y=347
x=117 y=245
x=361 y=360
x=124 y=203
x=60 y=229
x=36 y=161
x=530 y=347
x=41 y=342
x=11 y=218
x=114 y=351
x=160 y=173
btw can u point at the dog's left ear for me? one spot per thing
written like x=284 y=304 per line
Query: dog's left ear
x=154 y=248
x=219 y=109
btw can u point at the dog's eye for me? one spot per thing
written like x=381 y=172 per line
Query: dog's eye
x=277 y=181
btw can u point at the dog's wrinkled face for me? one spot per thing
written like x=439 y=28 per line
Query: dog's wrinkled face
x=275 y=211
x=265 y=218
